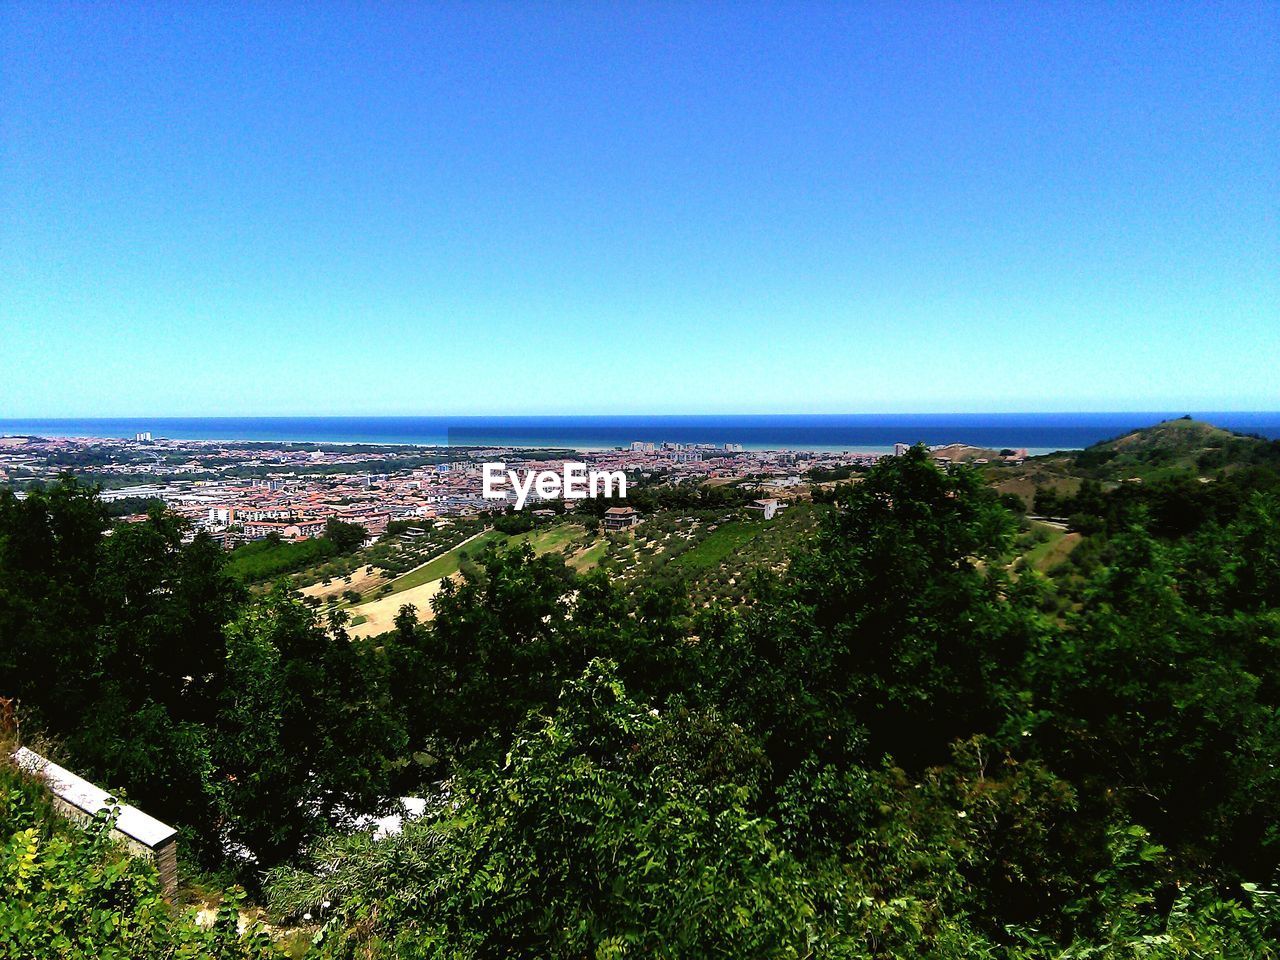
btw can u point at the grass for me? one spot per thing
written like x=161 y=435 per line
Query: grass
x=447 y=563
x=1024 y=481
x=1057 y=552
x=727 y=539
x=548 y=539
x=1052 y=551
x=590 y=558
x=1035 y=556
x=264 y=559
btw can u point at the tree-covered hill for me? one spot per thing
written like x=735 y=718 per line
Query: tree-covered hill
x=713 y=554
x=1168 y=451
x=1174 y=445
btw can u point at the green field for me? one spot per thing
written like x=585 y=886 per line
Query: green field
x=591 y=557
x=1048 y=555
x=547 y=539
x=447 y=563
x=1052 y=551
x=264 y=559
x=726 y=540
x=712 y=554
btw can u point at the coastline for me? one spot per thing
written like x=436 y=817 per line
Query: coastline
x=1038 y=433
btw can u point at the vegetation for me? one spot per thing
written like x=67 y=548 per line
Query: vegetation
x=272 y=557
x=70 y=892
x=158 y=676
x=932 y=731
x=713 y=554
x=446 y=564
x=654 y=493
x=1185 y=445
x=125 y=506
x=727 y=539
x=404 y=548
x=1173 y=448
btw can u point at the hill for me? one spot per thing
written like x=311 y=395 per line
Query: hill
x=711 y=553
x=964 y=453
x=1182 y=447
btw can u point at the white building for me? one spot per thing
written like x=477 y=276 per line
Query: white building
x=766 y=508
x=221 y=516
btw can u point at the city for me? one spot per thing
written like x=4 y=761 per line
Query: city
x=241 y=492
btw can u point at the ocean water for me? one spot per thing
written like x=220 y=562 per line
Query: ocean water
x=1038 y=432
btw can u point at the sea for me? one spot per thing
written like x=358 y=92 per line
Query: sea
x=861 y=433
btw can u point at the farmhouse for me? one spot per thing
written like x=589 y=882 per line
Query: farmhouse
x=620 y=518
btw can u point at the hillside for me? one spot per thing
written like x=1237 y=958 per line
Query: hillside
x=712 y=554
x=964 y=453
x=1182 y=445
x=901 y=746
x=1169 y=448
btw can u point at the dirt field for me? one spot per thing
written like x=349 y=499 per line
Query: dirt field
x=380 y=615
x=364 y=579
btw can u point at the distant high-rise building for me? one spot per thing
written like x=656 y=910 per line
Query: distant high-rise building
x=899 y=449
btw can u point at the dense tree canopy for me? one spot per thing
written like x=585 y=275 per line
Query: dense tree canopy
x=160 y=677
x=904 y=745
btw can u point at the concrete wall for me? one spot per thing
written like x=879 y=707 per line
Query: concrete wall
x=164 y=857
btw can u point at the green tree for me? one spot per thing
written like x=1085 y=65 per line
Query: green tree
x=344 y=536
x=897 y=631
x=113 y=644
x=574 y=848
x=306 y=738
x=1174 y=714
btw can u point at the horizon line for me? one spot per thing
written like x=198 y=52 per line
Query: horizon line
x=882 y=413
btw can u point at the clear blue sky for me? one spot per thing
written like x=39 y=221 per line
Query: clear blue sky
x=553 y=208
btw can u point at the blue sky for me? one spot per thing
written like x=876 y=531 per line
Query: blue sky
x=610 y=208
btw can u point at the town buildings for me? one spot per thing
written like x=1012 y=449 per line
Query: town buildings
x=246 y=491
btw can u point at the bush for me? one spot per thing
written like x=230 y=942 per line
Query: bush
x=67 y=892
